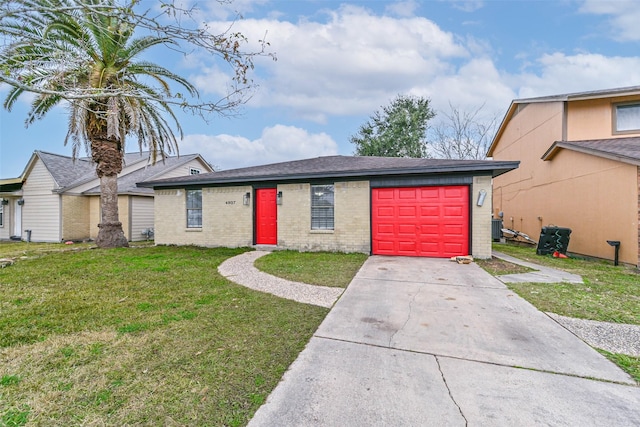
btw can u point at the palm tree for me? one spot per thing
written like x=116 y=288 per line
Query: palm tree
x=87 y=59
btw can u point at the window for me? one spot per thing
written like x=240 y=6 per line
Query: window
x=322 y=207
x=194 y=208
x=194 y=171
x=1 y=213
x=627 y=117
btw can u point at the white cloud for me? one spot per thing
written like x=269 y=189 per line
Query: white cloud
x=625 y=15
x=561 y=73
x=276 y=144
x=402 y=8
x=476 y=83
x=214 y=9
x=467 y=5
x=349 y=63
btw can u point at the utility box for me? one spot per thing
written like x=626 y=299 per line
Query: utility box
x=553 y=239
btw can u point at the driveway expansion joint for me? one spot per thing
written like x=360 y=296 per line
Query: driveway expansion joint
x=484 y=362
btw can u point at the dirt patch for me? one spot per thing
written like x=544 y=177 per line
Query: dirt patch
x=499 y=267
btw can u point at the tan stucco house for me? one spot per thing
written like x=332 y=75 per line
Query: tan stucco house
x=580 y=169
x=378 y=205
x=57 y=198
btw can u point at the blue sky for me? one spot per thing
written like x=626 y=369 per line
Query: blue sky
x=339 y=62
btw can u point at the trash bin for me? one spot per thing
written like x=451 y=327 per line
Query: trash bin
x=28 y=235
x=553 y=239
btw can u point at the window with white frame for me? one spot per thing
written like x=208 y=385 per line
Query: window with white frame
x=627 y=117
x=322 y=204
x=194 y=208
x=194 y=171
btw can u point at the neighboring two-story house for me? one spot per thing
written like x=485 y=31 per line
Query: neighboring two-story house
x=579 y=168
x=57 y=198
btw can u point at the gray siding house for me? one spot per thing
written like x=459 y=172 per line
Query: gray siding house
x=57 y=198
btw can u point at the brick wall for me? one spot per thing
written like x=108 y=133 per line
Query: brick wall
x=225 y=220
x=75 y=217
x=481 y=218
x=352 y=220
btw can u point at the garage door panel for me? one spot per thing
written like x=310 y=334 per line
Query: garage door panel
x=430 y=192
x=407 y=193
x=452 y=230
x=429 y=230
x=453 y=248
x=429 y=211
x=453 y=211
x=421 y=221
x=454 y=192
x=407 y=246
x=385 y=193
x=407 y=229
x=407 y=212
x=385 y=211
x=385 y=228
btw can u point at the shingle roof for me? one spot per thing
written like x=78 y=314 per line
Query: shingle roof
x=69 y=173
x=604 y=93
x=338 y=167
x=65 y=170
x=626 y=150
x=127 y=183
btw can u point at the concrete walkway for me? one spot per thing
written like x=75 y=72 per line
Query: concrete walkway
x=540 y=275
x=419 y=341
x=613 y=337
x=240 y=269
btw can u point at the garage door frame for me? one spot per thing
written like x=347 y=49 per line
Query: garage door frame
x=433 y=181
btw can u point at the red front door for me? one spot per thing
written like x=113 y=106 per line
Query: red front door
x=266 y=217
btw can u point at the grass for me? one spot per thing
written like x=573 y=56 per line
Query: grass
x=630 y=364
x=609 y=293
x=315 y=268
x=139 y=336
x=26 y=250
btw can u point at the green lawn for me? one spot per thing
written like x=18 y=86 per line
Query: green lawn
x=139 y=336
x=315 y=268
x=609 y=294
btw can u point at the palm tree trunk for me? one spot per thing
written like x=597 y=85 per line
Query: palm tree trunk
x=108 y=158
x=110 y=234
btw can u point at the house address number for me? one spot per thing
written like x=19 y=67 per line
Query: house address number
x=230 y=202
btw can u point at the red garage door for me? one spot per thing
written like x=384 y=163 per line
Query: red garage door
x=420 y=221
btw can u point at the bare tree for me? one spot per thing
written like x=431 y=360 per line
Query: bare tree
x=462 y=134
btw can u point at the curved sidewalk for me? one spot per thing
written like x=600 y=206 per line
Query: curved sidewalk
x=240 y=269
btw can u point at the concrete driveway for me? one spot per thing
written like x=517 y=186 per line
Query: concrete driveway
x=419 y=342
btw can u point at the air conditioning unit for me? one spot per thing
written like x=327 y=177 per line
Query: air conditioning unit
x=496 y=230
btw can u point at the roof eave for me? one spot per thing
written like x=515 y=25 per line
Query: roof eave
x=559 y=145
x=497 y=168
x=501 y=128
